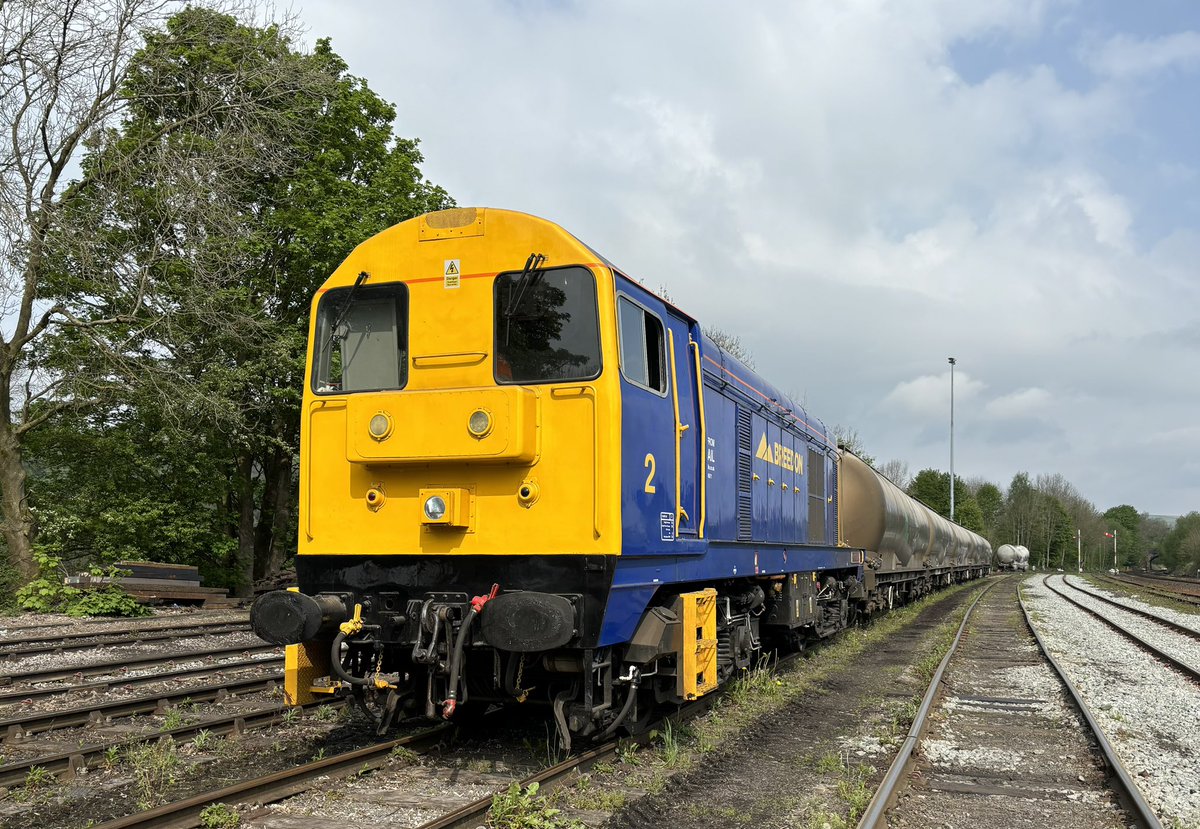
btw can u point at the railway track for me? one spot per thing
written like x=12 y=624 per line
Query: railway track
x=1190 y=632
x=1013 y=742
x=131 y=637
x=1172 y=657
x=1154 y=587
x=24 y=695
x=65 y=764
x=120 y=664
x=20 y=727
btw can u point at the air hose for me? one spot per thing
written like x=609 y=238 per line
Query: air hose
x=460 y=641
x=624 y=713
x=335 y=662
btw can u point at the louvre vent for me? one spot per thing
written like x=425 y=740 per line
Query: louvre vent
x=745 y=473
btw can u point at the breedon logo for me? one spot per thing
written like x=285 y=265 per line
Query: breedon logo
x=779 y=455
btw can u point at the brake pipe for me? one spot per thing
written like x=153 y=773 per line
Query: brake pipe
x=477 y=603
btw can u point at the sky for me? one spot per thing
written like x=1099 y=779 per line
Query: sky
x=859 y=190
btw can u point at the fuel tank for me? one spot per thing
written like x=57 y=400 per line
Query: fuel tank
x=1006 y=553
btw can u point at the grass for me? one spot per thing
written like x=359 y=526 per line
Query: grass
x=155 y=769
x=403 y=756
x=220 y=816
x=171 y=720
x=525 y=808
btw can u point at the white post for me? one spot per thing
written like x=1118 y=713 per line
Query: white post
x=1115 y=567
x=952 y=362
x=1079 y=550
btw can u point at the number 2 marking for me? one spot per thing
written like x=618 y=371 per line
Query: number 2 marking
x=649 y=464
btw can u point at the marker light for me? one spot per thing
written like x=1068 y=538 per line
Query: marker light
x=480 y=423
x=380 y=426
x=435 y=507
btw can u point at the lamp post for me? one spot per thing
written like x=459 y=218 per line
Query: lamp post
x=952 y=362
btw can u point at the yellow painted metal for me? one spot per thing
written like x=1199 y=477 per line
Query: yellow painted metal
x=697 y=612
x=458 y=507
x=680 y=428
x=703 y=435
x=566 y=436
x=302 y=664
x=435 y=426
x=354 y=624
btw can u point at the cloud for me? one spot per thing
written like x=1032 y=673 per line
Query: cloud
x=1127 y=58
x=1020 y=404
x=929 y=395
x=822 y=180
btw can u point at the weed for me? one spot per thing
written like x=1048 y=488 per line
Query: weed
x=320 y=755
x=480 y=765
x=111 y=755
x=672 y=752
x=219 y=816
x=404 y=756
x=38 y=777
x=326 y=713
x=627 y=753
x=291 y=715
x=171 y=720
x=203 y=739
x=518 y=808
x=155 y=769
x=583 y=795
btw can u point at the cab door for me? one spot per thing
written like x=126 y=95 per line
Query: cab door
x=660 y=466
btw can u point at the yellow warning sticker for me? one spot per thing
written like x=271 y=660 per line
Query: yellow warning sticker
x=451 y=274
x=779 y=455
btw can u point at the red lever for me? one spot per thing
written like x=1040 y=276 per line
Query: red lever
x=478 y=602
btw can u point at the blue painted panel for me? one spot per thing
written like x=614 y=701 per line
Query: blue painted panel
x=690 y=455
x=721 y=465
x=761 y=472
x=637 y=578
x=774 y=484
x=789 y=495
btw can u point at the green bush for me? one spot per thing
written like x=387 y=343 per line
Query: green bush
x=48 y=594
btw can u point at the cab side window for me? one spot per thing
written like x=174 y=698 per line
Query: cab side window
x=643 y=346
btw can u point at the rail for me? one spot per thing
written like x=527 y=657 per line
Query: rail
x=1127 y=789
x=873 y=817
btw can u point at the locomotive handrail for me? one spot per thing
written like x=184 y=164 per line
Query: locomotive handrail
x=695 y=346
x=680 y=428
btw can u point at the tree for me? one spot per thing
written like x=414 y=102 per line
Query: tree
x=932 y=488
x=227 y=324
x=848 y=438
x=1181 y=547
x=63 y=65
x=896 y=471
x=1125 y=522
x=729 y=342
x=991 y=502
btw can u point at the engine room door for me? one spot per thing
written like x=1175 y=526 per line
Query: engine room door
x=683 y=337
x=660 y=462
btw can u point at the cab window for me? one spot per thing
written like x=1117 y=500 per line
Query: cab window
x=643 y=346
x=361 y=339
x=547 y=326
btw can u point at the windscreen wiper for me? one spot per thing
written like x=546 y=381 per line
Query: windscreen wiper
x=532 y=268
x=341 y=317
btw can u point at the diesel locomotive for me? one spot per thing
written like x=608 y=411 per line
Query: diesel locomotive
x=524 y=478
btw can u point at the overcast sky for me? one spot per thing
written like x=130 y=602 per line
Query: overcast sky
x=861 y=189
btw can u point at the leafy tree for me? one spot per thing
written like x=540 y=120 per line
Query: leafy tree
x=991 y=503
x=932 y=487
x=215 y=354
x=62 y=66
x=1125 y=522
x=1181 y=546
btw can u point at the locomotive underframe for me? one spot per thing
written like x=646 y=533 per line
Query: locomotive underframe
x=410 y=655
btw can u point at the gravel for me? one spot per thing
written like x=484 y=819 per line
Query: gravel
x=81 y=659
x=1188 y=620
x=1150 y=713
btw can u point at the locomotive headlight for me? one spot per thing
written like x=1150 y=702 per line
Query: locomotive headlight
x=435 y=507
x=480 y=423
x=380 y=426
